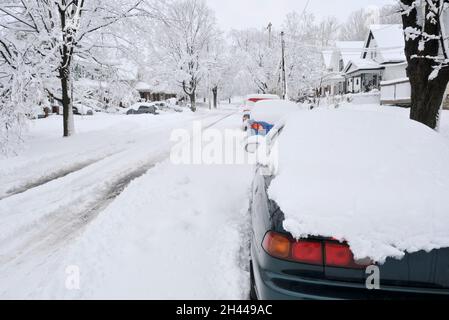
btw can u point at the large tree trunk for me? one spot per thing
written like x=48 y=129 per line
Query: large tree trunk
x=215 y=94
x=427 y=95
x=68 y=121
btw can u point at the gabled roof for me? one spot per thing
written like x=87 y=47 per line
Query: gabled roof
x=390 y=41
x=142 y=86
x=349 y=50
x=362 y=64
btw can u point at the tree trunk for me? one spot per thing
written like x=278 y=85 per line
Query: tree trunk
x=68 y=121
x=193 y=101
x=64 y=73
x=427 y=95
x=215 y=93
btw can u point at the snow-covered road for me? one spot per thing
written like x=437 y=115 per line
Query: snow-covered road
x=108 y=202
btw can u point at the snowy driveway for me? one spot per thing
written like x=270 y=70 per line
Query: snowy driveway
x=174 y=231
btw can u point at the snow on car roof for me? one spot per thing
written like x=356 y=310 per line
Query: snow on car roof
x=262 y=96
x=272 y=111
x=136 y=106
x=378 y=181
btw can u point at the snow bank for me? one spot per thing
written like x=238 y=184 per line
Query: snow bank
x=372 y=97
x=378 y=181
x=272 y=111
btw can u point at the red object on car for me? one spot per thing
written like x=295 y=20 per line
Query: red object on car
x=324 y=252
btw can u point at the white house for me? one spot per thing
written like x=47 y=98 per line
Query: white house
x=382 y=66
x=335 y=60
x=385 y=45
x=378 y=67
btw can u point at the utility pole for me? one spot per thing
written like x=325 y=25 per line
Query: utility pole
x=284 y=76
x=270 y=27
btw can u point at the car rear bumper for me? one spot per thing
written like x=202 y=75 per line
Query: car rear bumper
x=279 y=286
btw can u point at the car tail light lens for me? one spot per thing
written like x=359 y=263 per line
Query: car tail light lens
x=340 y=255
x=308 y=252
x=257 y=126
x=284 y=247
x=277 y=245
x=316 y=252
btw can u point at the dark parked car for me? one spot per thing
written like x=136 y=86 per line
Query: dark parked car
x=316 y=268
x=143 y=109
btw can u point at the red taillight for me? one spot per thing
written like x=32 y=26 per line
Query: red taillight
x=284 y=247
x=340 y=255
x=311 y=251
x=308 y=252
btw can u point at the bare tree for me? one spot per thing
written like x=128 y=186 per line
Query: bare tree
x=356 y=28
x=183 y=39
x=61 y=29
x=328 y=31
x=390 y=14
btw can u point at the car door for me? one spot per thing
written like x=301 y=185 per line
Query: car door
x=260 y=209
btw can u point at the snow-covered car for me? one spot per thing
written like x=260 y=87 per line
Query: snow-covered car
x=82 y=110
x=38 y=112
x=267 y=113
x=250 y=102
x=162 y=105
x=142 y=108
x=354 y=209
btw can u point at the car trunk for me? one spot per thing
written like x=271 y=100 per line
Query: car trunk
x=417 y=270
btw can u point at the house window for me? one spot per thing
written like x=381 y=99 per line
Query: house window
x=341 y=65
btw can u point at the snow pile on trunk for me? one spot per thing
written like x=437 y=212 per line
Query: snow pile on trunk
x=378 y=181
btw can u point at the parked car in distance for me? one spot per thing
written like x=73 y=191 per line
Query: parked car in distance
x=38 y=112
x=142 y=108
x=267 y=113
x=250 y=102
x=161 y=105
x=82 y=110
x=315 y=267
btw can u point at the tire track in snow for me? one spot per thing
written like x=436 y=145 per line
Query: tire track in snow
x=61 y=228
x=39 y=181
x=53 y=176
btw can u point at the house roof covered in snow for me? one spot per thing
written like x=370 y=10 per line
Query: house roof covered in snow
x=154 y=86
x=142 y=86
x=349 y=50
x=362 y=64
x=389 y=39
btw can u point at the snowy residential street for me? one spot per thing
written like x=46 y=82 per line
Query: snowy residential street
x=200 y=150
x=51 y=220
x=132 y=223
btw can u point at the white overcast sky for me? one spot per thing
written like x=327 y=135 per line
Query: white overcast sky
x=239 y=14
